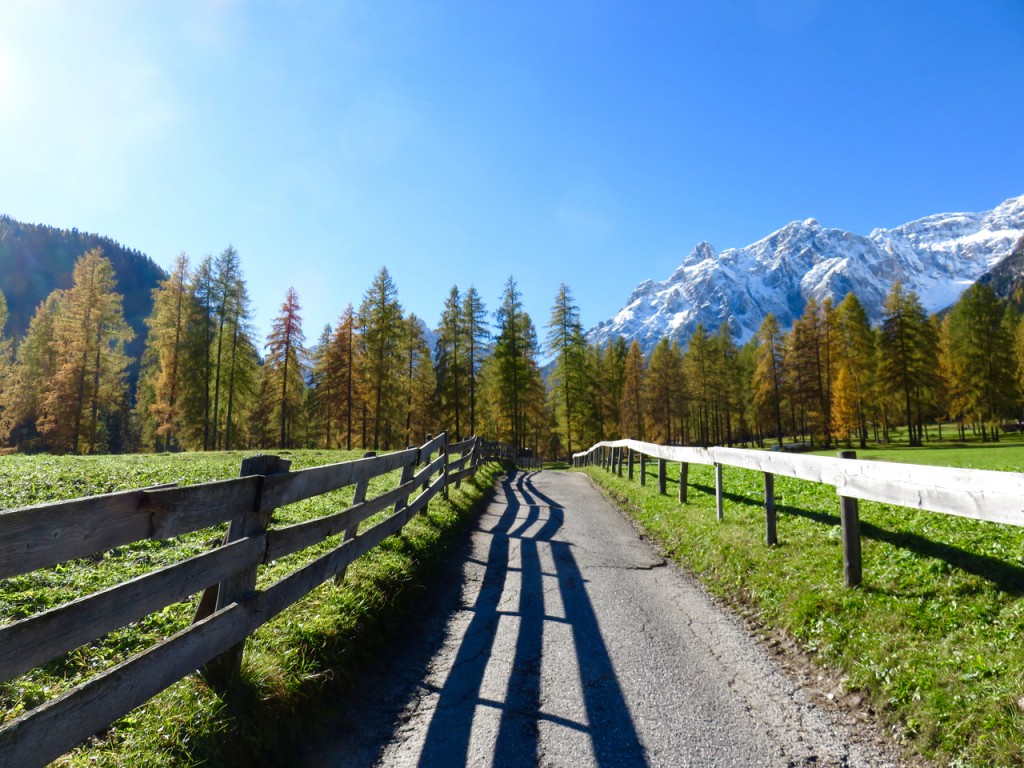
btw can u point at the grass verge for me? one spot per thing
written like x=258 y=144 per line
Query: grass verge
x=933 y=638
x=291 y=665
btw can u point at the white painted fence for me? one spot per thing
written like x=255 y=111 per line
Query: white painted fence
x=980 y=494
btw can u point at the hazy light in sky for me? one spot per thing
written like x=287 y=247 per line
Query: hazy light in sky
x=591 y=143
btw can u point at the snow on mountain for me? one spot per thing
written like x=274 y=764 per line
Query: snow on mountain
x=938 y=257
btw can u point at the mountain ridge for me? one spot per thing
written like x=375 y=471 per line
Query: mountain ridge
x=938 y=256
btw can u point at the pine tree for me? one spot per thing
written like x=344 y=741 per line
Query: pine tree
x=381 y=321
x=35 y=365
x=285 y=368
x=698 y=367
x=323 y=399
x=610 y=386
x=808 y=366
x=769 y=374
x=845 y=406
x=452 y=367
x=514 y=354
x=565 y=342
x=977 y=347
x=855 y=353
x=343 y=366
x=419 y=384
x=89 y=337
x=167 y=323
x=662 y=392
x=908 y=357
x=474 y=318
x=196 y=361
x=631 y=410
x=8 y=411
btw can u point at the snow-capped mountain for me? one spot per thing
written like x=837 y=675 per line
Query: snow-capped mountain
x=938 y=257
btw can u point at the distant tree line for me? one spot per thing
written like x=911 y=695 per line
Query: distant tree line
x=830 y=378
x=372 y=382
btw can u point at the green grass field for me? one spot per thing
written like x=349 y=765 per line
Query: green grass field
x=290 y=665
x=934 y=637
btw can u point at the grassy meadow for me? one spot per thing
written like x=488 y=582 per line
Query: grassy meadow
x=933 y=640
x=291 y=665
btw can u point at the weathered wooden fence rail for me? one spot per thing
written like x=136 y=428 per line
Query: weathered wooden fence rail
x=975 y=493
x=231 y=608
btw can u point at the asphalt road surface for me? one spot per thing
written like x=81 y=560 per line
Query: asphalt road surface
x=566 y=640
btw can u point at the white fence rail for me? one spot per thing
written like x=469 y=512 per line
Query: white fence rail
x=980 y=494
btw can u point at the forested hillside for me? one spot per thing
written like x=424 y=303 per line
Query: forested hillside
x=35 y=259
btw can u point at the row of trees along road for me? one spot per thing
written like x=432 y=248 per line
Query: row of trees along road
x=372 y=381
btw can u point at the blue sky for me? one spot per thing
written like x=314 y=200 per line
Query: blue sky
x=586 y=142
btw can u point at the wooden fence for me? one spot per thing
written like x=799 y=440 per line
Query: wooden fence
x=231 y=608
x=980 y=494
x=505 y=452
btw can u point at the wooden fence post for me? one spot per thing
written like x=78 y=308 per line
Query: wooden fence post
x=643 y=469
x=769 y=509
x=684 y=475
x=661 y=476
x=622 y=455
x=629 y=456
x=849 y=517
x=719 y=502
x=221 y=671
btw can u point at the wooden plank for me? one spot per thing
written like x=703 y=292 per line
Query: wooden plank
x=429 y=470
x=676 y=453
x=48 y=731
x=432 y=446
x=463 y=446
x=287 y=488
x=42 y=536
x=36 y=640
x=283 y=593
x=48 y=534
x=818 y=469
x=979 y=494
x=193 y=507
x=287 y=539
x=460 y=476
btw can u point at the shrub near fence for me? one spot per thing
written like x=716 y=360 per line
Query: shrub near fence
x=975 y=493
x=231 y=608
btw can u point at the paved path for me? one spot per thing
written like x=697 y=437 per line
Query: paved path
x=571 y=642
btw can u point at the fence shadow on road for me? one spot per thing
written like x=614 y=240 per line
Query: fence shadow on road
x=529 y=522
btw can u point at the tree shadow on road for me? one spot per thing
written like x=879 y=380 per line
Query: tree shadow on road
x=528 y=524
